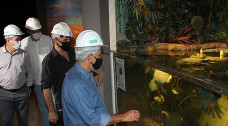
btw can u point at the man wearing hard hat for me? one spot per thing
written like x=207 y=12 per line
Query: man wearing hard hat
x=38 y=46
x=82 y=103
x=15 y=76
x=54 y=67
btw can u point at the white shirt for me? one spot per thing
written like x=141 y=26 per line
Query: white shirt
x=15 y=69
x=37 y=51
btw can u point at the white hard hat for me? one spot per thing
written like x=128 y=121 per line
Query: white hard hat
x=62 y=29
x=33 y=24
x=89 y=38
x=12 y=30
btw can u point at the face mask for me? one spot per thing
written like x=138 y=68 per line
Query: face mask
x=17 y=45
x=97 y=64
x=65 y=46
x=37 y=36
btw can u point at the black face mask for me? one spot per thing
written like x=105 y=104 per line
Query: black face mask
x=97 y=64
x=65 y=45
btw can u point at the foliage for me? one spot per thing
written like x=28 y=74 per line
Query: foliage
x=162 y=20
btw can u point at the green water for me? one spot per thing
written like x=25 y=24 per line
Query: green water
x=170 y=92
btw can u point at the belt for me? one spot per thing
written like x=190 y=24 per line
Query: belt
x=11 y=90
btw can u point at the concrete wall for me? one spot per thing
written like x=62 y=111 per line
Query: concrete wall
x=95 y=16
x=91 y=15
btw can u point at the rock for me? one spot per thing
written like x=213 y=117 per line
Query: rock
x=184 y=47
x=163 y=47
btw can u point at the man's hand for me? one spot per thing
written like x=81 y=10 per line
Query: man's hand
x=53 y=117
x=98 y=78
x=132 y=115
x=28 y=88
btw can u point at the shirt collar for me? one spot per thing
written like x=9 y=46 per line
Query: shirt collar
x=83 y=71
x=3 y=48
x=54 y=52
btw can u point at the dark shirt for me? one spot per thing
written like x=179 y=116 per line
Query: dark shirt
x=54 y=67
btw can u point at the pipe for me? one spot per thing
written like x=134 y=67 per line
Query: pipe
x=113 y=83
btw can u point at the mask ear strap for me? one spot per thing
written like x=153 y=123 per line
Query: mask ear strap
x=93 y=57
x=58 y=40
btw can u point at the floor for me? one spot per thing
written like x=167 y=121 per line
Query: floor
x=34 y=113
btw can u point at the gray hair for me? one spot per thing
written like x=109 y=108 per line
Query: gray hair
x=83 y=52
x=9 y=36
x=55 y=36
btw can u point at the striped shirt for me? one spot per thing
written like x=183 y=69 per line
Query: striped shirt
x=15 y=69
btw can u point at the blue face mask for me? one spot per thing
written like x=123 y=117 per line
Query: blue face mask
x=17 y=45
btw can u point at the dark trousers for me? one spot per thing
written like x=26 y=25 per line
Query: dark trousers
x=60 y=116
x=17 y=100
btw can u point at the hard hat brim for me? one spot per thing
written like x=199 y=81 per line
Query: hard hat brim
x=105 y=45
x=14 y=34
x=87 y=46
x=20 y=34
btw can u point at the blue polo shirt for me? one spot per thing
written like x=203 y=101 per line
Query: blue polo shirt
x=82 y=103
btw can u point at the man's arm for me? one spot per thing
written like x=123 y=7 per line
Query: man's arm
x=25 y=46
x=53 y=116
x=29 y=73
x=129 y=116
x=98 y=78
x=83 y=104
x=46 y=83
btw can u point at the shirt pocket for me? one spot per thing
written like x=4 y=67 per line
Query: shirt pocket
x=4 y=66
x=21 y=63
x=4 y=62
